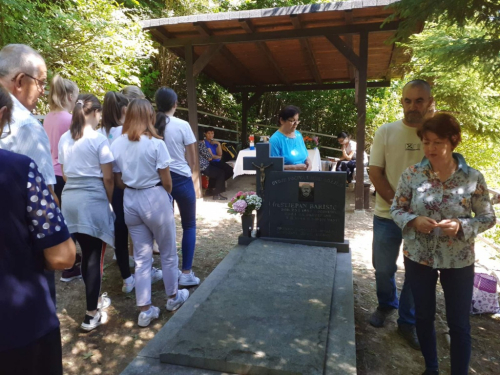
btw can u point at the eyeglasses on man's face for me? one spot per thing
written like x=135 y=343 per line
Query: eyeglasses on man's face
x=39 y=83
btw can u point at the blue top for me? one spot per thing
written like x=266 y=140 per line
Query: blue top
x=30 y=222
x=214 y=151
x=292 y=149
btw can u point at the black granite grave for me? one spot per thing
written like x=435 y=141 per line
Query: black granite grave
x=298 y=207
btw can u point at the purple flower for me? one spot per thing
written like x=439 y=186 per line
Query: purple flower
x=240 y=206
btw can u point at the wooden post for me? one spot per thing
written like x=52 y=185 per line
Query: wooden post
x=193 y=114
x=361 y=83
x=244 y=119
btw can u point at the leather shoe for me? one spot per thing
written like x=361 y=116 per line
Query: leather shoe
x=378 y=318
x=409 y=333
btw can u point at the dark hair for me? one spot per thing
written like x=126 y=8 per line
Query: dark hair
x=165 y=99
x=209 y=129
x=140 y=114
x=419 y=82
x=85 y=105
x=112 y=109
x=343 y=135
x=444 y=126
x=5 y=101
x=288 y=112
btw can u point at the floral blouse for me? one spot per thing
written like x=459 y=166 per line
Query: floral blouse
x=421 y=193
x=205 y=155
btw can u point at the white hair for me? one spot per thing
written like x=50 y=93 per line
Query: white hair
x=19 y=58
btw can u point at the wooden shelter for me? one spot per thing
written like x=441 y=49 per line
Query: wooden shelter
x=325 y=46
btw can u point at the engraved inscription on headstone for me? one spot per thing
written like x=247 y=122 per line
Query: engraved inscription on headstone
x=306 y=205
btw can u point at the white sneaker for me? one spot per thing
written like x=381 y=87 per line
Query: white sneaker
x=146 y=317
x=128 y=286
x=188 y=279
x=174 y=304
x=179 y=274
x=91 y=322
x=105 y=302
x=156 y=275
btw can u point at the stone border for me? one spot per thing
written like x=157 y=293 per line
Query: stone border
x=340 y=358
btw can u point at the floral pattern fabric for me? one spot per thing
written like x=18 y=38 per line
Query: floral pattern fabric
x=420 y=192
x=205 y=156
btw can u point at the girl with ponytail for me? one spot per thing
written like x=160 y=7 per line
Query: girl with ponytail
x=141 y=166
x=86 y=164
x=113 y=116
x=181 y=145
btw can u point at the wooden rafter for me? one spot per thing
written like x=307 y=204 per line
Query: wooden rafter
x=204 y=59
x=249 y=28
x=348 y=40
x=284 y=34
x=344 y=49
x=313 y=87
x=307 y=50
x=228 y=55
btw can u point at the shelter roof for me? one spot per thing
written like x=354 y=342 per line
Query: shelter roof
x=281 y=49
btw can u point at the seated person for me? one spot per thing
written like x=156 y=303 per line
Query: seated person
x=216 y=165
x=347 y=162
x=288 y=142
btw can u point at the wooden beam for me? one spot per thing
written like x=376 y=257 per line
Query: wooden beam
x=248 y=27
x=324 y=86
x=233 y=60
x=283 y=34
x=344 y=49
x=193 y=114
x=205 y=58
x=348 y=40
x=307 y=51
x=361 y=84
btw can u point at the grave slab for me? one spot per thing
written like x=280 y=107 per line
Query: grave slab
x=339 y=355
x=269 y=316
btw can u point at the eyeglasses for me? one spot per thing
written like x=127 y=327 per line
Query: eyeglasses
x=293 y=122
x=5 y=134
x=39 y=83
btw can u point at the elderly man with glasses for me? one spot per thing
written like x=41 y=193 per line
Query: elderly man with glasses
x=23 y=73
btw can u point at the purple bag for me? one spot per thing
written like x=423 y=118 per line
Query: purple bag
x=484 y=295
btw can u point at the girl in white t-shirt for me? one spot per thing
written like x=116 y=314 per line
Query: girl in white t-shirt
x=181 y=144
x=347 y=161
x=142 y=168
x=86 y=164
x=114 y=110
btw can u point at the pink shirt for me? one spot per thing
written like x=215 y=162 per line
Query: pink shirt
x=56 y=124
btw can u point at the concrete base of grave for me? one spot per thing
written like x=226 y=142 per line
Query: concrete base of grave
x=342 y=247
x=268 y=308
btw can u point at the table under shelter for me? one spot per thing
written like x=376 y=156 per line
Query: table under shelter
x=328 y=46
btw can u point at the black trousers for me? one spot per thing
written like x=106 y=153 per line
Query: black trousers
x=121 y=234
x=92 y=264
x=457 y=286
x=217 y=178
x=225 y=168
x=41 y=357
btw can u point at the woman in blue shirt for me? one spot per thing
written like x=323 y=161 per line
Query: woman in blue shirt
x=288 y=142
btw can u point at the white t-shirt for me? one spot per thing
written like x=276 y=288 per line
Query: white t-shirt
x=139 y=161
x=83 y=158
x=178 y=135
x=113 y=133
x=351 y=146
x=395 y=147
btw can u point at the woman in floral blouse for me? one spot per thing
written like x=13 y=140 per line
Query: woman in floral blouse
x=433 y=206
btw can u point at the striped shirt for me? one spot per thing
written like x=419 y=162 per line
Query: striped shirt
x=27 y=137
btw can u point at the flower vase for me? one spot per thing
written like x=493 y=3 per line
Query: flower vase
x=247 y=224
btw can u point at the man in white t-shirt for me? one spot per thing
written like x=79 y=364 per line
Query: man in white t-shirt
x=396 y=146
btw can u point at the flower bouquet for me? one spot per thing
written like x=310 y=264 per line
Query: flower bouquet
x=311 y=142
x=244 y=203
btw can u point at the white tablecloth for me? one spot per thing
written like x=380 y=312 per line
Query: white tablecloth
x=314 y=156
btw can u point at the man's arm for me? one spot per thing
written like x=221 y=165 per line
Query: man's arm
x=382 y=186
